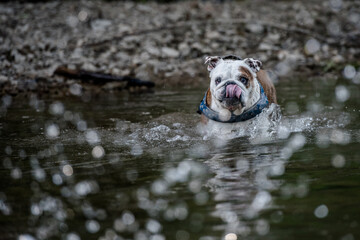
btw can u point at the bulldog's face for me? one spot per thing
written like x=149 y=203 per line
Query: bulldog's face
x=233 y=83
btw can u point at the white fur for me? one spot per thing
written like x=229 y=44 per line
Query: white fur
x=228 y=70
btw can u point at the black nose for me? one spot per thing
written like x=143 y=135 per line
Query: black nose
x=228 y=83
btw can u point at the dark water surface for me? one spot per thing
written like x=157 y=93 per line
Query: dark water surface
x=134 y=166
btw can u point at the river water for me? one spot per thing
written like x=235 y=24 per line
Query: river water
x=138 y=166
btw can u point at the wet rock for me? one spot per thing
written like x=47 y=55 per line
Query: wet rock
x=163 y=41
x=338 y=59
x=266 y=47
x=3 y=79
x=100 y=25
x=254 y=28
x=170 y=52
x=89 y=67
x=184 y=49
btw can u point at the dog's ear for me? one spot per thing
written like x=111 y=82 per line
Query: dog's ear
x=254 y=65
x=211 y=62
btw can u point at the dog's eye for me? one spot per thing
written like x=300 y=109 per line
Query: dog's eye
x=218 y=80
x=244 y=80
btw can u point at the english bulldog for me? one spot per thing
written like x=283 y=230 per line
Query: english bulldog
x=239 y=91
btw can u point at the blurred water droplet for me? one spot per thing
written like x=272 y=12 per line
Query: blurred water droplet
x=181 y=211
x=356 y=79
x=342 y=93
x=7 y=163
x=16 y=173
x=322 y=140
x=8 y=150
x=297 y=142
x=262 y=227
x=261 y=200
x=349 y=72
x=22 y=154
x=153 y=226
x=312 y=46
x=141 y=235
x=201 y=198
x=339 y=136
x=136 y=150
x=314 y=106
x=195 y=186
x=321 y=211
x=56 y=108
x=6 y=100
x=277 y=169
x=159 y=187
x=229 y=216
x=92 y=226
x=72 y=236
x=39 y=174
x=26 y=237
x=338 y=161
x=230 y=236
x=301 y=190
x=57 y=179
x=128 y=218
x=52 y=131
x=132 y=175
x=83 y=15
x=76 y=89
x=81 y=125
x=83 y=188
x=157 y=237
x=35 y=210
x=243 y=165
x=92 y=137
x=98 y=152
x=67 y=170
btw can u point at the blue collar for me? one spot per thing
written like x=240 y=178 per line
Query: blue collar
x=250 y=113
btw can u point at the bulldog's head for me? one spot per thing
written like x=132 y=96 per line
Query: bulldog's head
x=233 y=83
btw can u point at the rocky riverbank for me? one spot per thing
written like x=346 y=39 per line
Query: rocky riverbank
x=166 y=43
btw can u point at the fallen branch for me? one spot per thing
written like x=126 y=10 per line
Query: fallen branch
x=101 y=78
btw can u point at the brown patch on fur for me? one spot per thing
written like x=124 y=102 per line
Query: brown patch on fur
x=268 y=86
x=246 y=73
x=204 y=119
x=208 y=97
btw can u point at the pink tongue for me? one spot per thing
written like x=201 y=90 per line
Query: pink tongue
x=233 y=90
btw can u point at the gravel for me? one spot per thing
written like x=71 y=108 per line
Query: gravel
x=166 y=43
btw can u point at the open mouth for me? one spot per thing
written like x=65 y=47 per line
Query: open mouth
x=232 y=91
x=231 y=96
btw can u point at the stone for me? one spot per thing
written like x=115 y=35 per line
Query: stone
x=170 y=52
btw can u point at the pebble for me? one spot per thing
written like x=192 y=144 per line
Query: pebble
x=166 y=41
x=170 y=52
